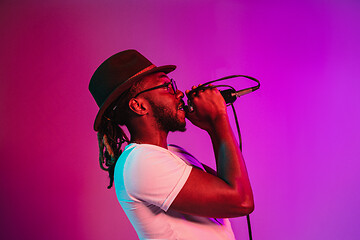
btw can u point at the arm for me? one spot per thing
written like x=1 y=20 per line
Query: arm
x=229 y=193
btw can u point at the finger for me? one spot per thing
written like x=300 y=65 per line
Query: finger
x=211 y=86
x=190 y=93
x=191 y=115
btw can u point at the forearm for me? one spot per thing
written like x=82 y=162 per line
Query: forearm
x=229 y=161
x=229 y=193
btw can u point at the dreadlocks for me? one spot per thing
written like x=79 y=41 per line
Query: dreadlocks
x=110 y=138
x=110 y=135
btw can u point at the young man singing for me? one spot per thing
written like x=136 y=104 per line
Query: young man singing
x=165 y=192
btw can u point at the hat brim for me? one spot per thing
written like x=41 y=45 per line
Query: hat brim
x=124 y=86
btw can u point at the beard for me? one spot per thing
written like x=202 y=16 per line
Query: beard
x=167 y=120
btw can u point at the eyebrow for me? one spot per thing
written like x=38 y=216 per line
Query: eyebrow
x=163 y=75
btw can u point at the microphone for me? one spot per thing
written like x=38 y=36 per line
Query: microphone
x=230 y=95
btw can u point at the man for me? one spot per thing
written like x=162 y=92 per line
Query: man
x=165 y=192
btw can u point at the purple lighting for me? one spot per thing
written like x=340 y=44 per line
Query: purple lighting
x=300 y=130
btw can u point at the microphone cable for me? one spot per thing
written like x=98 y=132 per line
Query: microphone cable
x=230 y=103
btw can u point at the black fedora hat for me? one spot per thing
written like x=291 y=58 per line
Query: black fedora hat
x=117 y=74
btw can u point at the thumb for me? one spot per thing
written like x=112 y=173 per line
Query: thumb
x=189 y=113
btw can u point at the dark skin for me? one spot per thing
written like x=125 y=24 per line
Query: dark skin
x=222 y=194
x=144 y=127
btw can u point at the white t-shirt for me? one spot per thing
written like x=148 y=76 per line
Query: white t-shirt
x=147 y=180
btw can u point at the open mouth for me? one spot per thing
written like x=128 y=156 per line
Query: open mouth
x=181 y=106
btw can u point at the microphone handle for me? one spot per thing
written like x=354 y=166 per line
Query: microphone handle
x=228 y=95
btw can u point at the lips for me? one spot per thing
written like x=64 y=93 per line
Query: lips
x=181 y=106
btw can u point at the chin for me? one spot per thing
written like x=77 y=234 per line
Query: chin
x=180 y=126
x=182 y=129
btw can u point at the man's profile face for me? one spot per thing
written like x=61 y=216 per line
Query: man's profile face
x=167 y=119
x=166 y=107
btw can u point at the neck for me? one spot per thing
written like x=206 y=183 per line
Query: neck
x=151 y=136
x=146 y=130
x=158 y=142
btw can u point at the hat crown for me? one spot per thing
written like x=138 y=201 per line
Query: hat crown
x=117 y=74
x=114 y=71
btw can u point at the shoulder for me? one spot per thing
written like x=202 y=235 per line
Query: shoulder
x=185 y=155
x=141 y=158
x=152 y=174
x=147 y=151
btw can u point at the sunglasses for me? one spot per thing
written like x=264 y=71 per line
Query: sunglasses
x=170 y=86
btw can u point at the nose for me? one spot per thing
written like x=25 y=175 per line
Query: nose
x=179 y=94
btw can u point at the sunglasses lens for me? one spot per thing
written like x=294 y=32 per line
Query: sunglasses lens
x=173 y=84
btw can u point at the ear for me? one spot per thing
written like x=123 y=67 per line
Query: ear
x=138 y=106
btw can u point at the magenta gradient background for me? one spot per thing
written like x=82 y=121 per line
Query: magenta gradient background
x=300 y=130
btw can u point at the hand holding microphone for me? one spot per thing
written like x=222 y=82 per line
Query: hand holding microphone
x=229 y=95
x=201 y=100
x=207 y=106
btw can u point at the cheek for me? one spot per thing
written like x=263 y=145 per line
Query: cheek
x=169 y=102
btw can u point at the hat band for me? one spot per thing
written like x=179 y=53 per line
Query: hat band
x=144 y=70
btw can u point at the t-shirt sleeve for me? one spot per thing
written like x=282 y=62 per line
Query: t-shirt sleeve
x=154 y=176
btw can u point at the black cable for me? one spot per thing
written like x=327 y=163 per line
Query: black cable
x=204 y=85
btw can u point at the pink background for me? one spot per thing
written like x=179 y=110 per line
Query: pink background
x=300 y=130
